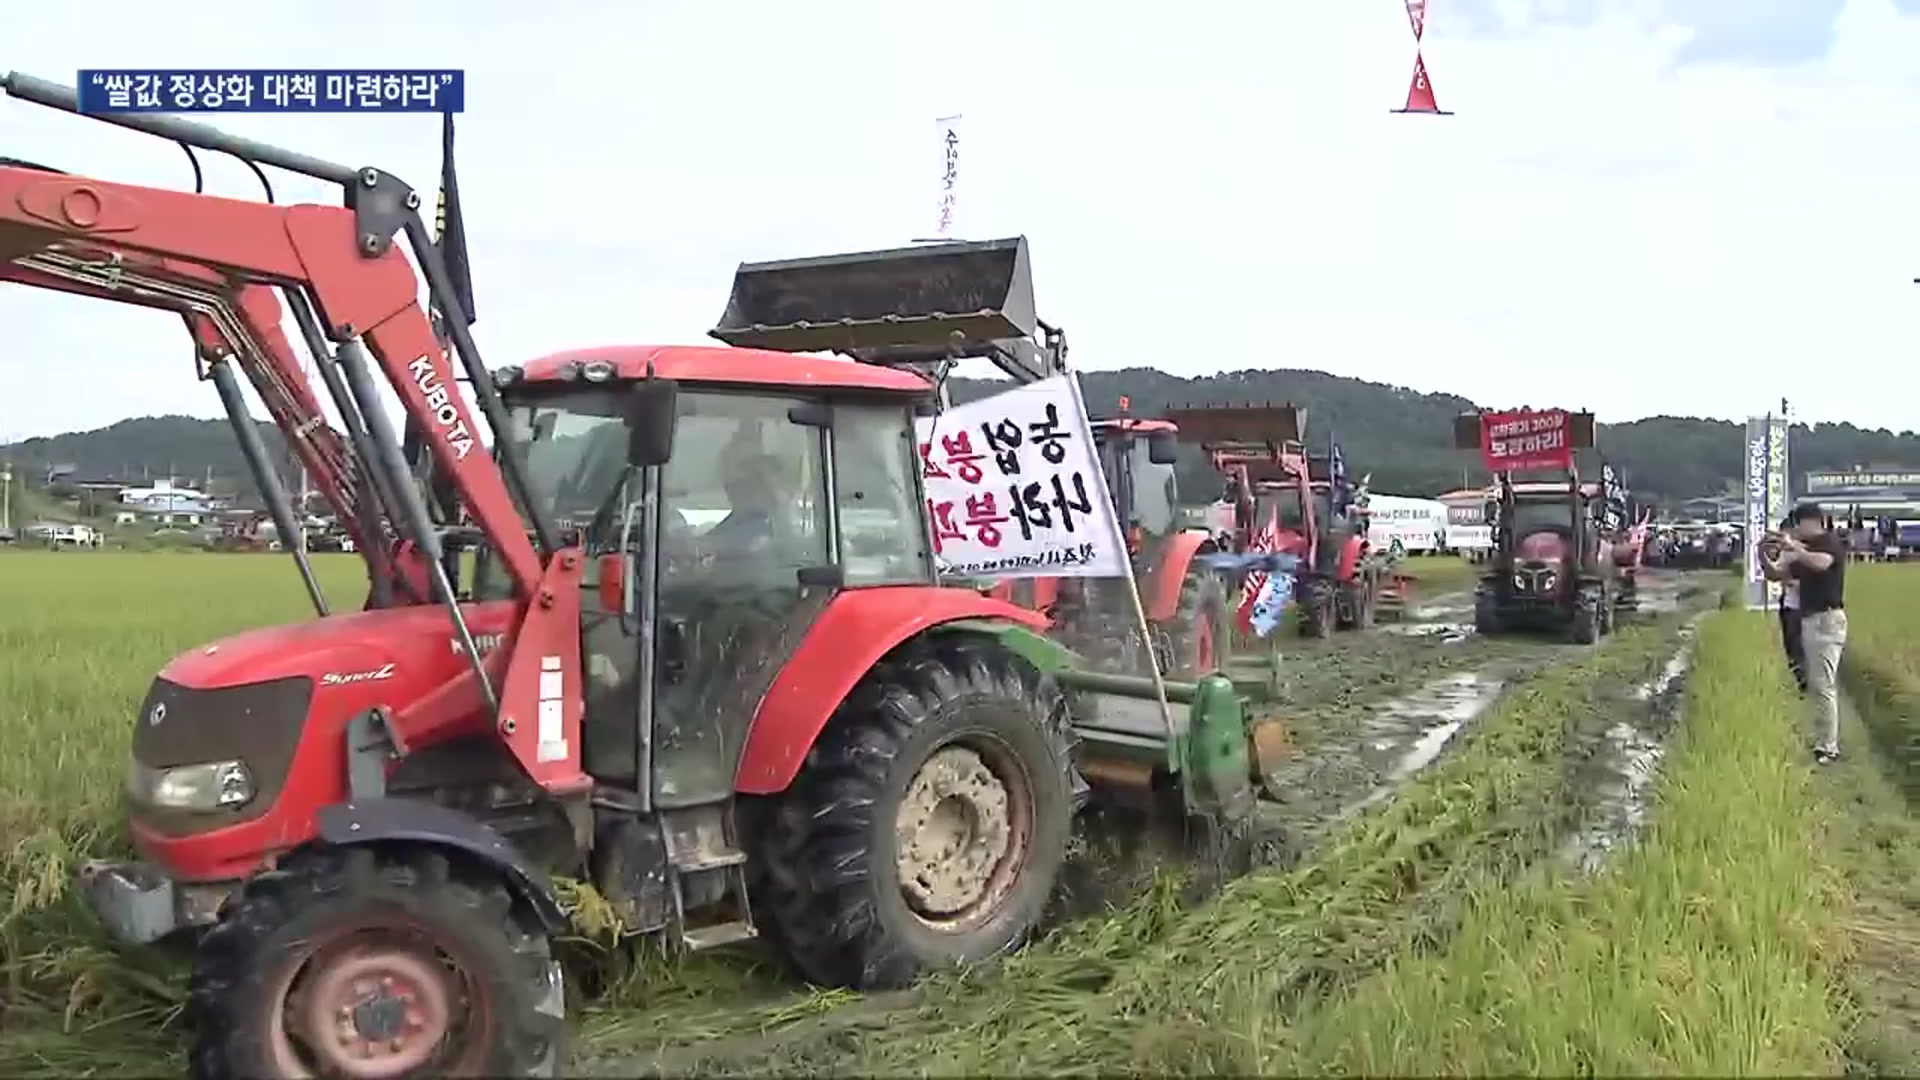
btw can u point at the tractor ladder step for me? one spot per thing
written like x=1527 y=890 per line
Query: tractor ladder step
x=700 y=938
x=707 y=863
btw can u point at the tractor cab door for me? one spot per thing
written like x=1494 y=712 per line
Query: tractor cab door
x=748 y=561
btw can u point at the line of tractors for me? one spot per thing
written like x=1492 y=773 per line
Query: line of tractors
x=799 y=733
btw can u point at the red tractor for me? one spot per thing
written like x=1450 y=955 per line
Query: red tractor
x=733 y=696
x=830 y=303
x=1284 y=502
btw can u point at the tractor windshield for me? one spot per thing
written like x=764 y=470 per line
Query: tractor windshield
x=575 y=447
x=1535 y=515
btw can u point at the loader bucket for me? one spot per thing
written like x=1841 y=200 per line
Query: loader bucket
x=1218 y=425
x=906 y=305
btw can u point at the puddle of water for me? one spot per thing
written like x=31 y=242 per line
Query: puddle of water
x=1407 y=734
x=1448 y=632
x=1624 y=764
x=1444 y=605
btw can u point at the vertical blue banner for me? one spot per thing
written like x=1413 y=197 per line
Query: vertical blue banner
x=316 y=90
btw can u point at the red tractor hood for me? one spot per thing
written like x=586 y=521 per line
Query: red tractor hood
x=405 y=643
x=1541 y=547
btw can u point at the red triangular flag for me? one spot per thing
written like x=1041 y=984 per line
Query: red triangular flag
x=1417 y=15
x=1420 y=91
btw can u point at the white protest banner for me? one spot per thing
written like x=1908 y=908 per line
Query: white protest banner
x=1014 y=487
x=947 y=130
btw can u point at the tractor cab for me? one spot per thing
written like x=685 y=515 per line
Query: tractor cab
x=721 y=498
x=1137 y=457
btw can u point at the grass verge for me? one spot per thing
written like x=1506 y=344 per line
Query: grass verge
x=1701 y=951
x=1152 y=988
x=1876 y=838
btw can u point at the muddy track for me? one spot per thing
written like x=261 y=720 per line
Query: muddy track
x=1366 y=712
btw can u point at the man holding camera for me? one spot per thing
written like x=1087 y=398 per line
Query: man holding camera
x=1807 y=555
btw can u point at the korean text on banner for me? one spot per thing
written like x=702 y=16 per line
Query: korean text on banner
x=947 y=130
x=1525 y=439
x=1758 y=593
x=1014 y=487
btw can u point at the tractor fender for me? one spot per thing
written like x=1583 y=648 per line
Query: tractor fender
x=857 y=628
x=1163 y=589
x=410 y=821
x=1349 y=558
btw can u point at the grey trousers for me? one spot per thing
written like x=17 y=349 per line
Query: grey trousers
x=1824 y=636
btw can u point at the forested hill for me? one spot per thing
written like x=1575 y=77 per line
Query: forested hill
x=1404 y=438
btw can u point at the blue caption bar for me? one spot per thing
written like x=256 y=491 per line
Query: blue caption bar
x=326 y=90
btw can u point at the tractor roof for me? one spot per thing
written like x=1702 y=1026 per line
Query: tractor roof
x=719 y=364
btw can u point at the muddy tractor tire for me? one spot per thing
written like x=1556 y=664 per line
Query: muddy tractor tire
x=929 y=825
x=1357 y=603
x=1486 y=613
x=1319 y=614
x=1585 y=627
x=348 y=963
x=1194 y=641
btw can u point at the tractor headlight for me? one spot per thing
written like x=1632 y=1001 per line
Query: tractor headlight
x=1519 y=581
x=1548 y=581
x=215 y=785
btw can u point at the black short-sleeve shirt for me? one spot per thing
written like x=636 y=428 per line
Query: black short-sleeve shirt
x=1822 y=590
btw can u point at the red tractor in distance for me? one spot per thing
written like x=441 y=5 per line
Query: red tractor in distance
x=1283 y=501
x=733 y=697
x=1554 y=563
x=940 y=304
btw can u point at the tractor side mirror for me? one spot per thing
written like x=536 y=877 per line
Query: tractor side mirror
x=652 y=407
x=1163 y=448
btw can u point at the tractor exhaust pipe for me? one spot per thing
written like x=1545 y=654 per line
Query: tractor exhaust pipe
x=904 y=306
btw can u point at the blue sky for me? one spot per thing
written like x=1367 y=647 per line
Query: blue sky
x=1640 y=206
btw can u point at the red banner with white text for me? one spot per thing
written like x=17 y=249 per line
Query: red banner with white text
x=1526 y=439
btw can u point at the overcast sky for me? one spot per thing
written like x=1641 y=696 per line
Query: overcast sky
x=1641 y=206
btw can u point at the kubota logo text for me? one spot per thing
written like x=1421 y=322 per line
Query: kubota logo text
x=440 y=400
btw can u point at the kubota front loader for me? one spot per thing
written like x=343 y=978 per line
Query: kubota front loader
x=713 y=696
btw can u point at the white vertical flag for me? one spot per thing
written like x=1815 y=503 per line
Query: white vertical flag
x=947 y=129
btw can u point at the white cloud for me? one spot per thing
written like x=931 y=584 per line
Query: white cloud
x=1214 y=186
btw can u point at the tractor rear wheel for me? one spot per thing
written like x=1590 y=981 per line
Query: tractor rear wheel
x=1318 y=612
x=1194 y=640
x=930 y=823
x=357 y=965
x=1356 y=600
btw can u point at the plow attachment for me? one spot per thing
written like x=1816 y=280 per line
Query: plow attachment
x=1256 y=427
x=1214 y=754
x=916 y=305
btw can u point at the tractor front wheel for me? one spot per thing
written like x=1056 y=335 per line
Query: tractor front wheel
x=1357 y=601
x=930 y=823
x=1586 y=626
x=374 y=967
x=1319 y=613
x=1193 y=640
